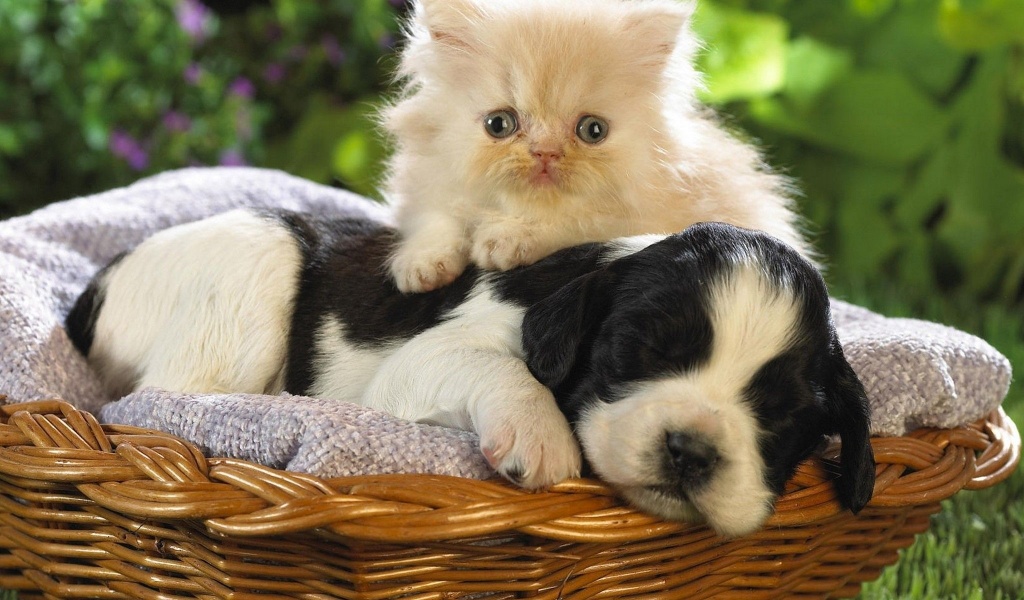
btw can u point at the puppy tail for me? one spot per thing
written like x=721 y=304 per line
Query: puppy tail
x=81 y=320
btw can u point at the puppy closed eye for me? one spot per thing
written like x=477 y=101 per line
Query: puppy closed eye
x=658 y=351
x=777 y=386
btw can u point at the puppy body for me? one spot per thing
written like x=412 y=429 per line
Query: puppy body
x=696 y=369
x=202 y=307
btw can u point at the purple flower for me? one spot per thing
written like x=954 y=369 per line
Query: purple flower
x=274 y=72
x=125 y=146
x=232 y=157
x=334 y=52
x=192 y=73
x=242 y=87
x=176 y=121
x=193 y=18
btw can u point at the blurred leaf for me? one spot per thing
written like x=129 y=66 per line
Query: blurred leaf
x=24 y=16
x=867 y=237
x=9 y=143
x=877 y=116
x=811 y=68
x=986 y=194
x=783 y=117
x=870 y=186
x=373 y=21
x=331 y=141
x=287 y=11
x=914 y=267
x=909 y=41
x=927 y=193
x=358 y=158
x=107 y=68
x=95 y=7
x=1014 y=279
x=746 y=56
x=871 y=8
x=94 y=130
x=982 y=24
x=834 y=23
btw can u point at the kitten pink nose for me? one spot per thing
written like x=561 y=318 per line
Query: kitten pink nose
x=547 y=153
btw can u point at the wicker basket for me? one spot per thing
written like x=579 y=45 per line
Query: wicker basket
x=91 y=511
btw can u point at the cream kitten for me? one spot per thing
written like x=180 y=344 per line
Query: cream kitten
x=526 y=126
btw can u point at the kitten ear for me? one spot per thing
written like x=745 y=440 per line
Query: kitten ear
x=449 y=21
x=658 y=28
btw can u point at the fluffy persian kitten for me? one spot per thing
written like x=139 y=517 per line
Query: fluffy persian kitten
x=525 y=126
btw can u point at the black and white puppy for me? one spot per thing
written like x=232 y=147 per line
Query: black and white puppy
x=696 y=370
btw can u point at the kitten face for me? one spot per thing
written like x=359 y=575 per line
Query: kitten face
x=547 y=66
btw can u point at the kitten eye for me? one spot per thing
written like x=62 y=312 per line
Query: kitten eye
x=592 y=129
x=501 y=124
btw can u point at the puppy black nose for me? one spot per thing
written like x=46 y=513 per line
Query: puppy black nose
x=693 y=458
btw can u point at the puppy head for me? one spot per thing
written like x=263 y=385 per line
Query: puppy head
x=698 y=373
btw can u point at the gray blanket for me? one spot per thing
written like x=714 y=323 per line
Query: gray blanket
x=916 y=373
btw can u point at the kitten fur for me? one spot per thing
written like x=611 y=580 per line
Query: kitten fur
x=460 y=194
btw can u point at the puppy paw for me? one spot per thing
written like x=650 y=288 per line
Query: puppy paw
x=504 y=245
x=418 y=268
x=530 y=443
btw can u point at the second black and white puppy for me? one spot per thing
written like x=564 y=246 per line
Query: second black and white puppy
x=696 y=370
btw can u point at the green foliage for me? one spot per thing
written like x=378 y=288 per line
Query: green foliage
x=99 y=92
x=749 y=60
x=902 y=121
x=334 y=142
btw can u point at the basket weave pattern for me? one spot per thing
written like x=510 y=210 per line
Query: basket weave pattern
x=91 y=511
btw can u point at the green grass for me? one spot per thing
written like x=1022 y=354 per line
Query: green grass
x=974 y=549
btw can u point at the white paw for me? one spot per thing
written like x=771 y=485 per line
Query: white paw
x=504 y=245
x=421 y=268
x=529 y=442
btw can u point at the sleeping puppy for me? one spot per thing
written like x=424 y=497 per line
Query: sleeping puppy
x=696 y=370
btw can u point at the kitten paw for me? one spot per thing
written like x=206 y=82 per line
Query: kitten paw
x=506 y=245
x=419 y=269
x=530 y=443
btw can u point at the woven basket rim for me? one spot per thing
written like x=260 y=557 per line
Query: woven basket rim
x=151 y=474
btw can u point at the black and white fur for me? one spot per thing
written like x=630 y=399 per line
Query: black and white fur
x=696 y=370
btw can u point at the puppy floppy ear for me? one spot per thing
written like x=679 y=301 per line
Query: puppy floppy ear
x=847 y=406
x=556 y=327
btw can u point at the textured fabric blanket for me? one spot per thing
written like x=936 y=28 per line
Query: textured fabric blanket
x=916 y=373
